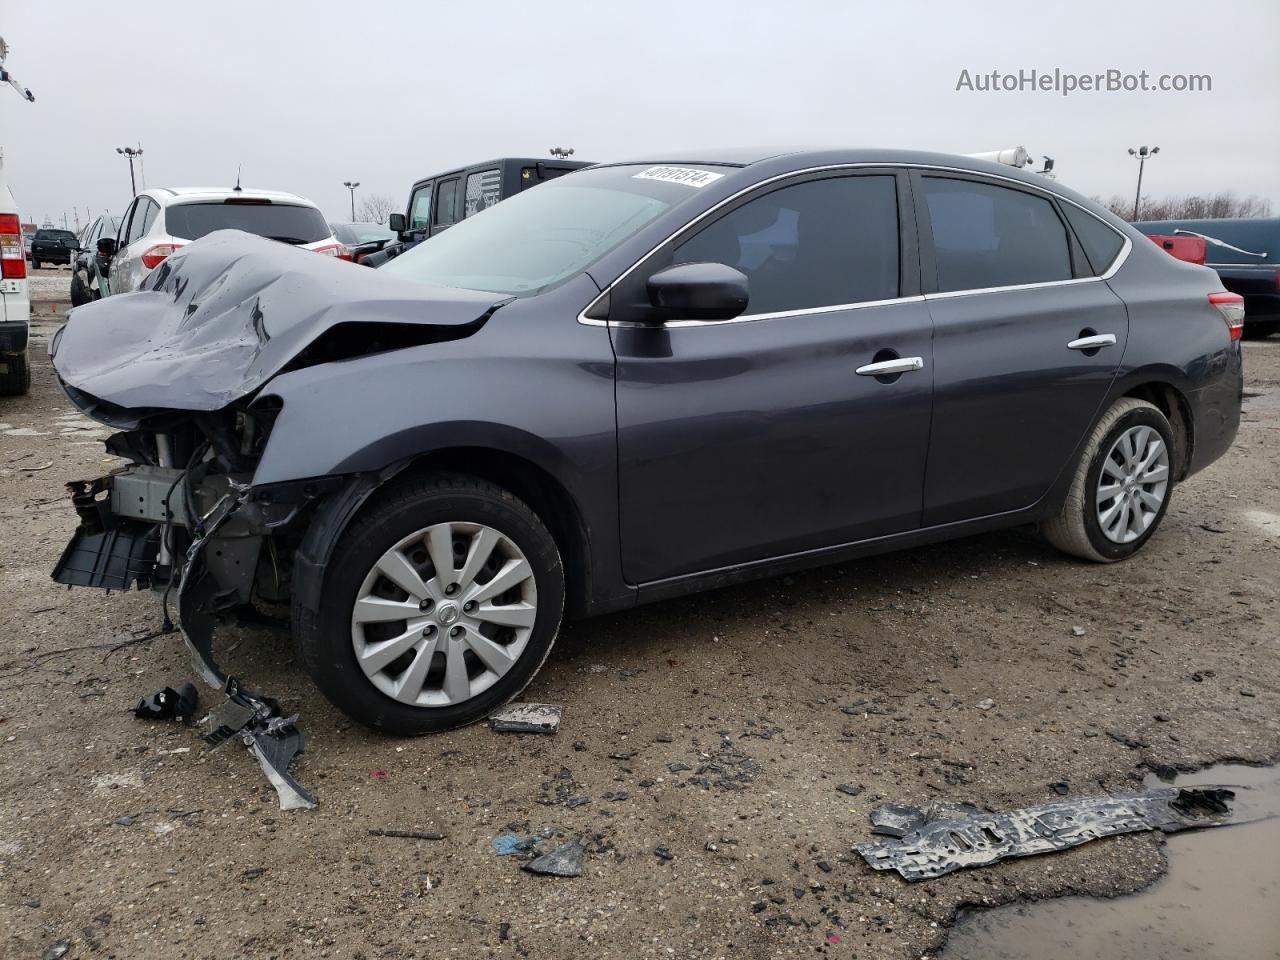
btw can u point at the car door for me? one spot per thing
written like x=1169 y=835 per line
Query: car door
x=445 y=213
x=129 y=261
x=116 y=272
x=1026 y=344
x=771 y=433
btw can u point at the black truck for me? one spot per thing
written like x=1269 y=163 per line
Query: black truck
x=1245 y=252
x=438 y=202
x=50 y=245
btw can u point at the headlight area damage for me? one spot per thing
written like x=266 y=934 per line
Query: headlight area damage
x=177 y=368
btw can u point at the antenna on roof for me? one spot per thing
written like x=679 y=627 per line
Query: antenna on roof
x=236 y=188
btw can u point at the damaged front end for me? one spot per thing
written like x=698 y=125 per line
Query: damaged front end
x=206 y=541
x=178 y=369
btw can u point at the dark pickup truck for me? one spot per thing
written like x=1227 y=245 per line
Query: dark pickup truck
x=1246 y=254
x=52 y=246
x=436 y=203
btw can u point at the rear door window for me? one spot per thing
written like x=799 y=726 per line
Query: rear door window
x=138 y=221
x=287 y=222
x=815 y=244
x=420 y=208
x=484 y=189
x=1101 y=243
x=990 y=236
x=447 y=202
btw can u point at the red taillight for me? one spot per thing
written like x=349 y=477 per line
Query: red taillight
x=1231 y=306
x=13 y=265
x=157 y=254
x=334 y=250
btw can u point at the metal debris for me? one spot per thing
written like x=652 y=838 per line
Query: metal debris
x=274 y=740
x=168 y=704
x=527 y=718
x=940 y=846
x=564 y=861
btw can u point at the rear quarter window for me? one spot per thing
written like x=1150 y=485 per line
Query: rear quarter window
x=1101 y=243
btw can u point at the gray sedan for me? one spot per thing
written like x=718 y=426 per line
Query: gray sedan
x=636 y=381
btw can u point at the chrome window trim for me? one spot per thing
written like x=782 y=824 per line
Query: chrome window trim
x=1116 y=264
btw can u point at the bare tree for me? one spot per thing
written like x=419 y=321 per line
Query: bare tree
x=375 y=208
x=1214 y=206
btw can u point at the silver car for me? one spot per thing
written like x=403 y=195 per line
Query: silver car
x=165 y=219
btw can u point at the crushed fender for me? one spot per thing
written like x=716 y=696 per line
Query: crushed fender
x=273 y=739
x=950 y=838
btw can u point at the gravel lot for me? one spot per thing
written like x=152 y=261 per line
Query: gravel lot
x=717 y=728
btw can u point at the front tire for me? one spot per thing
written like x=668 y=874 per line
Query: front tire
x=439 y=604
x=1121 y=486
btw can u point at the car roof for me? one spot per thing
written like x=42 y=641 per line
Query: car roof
x=169 y=195
x=554 y=162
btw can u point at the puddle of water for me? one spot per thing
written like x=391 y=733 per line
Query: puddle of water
x=1219 y=901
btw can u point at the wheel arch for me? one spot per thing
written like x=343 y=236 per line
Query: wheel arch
x=539 y=488
x=1172 y=402
x=533 y=482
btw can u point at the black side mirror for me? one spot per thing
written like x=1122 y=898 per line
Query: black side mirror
x=398 y=223
x=107 y=247
x=699 y=291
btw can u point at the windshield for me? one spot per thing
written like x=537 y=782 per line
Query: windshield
x=287 y=222
x=546 y=234
x=361 y=232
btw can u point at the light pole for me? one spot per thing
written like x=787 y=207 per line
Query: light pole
x=130 y=153
x=351 y=185
x=1142 y=154
x=564 y=153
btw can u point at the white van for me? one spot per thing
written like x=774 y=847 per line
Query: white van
x=15 y=300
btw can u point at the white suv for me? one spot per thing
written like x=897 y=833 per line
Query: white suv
x=161 y=220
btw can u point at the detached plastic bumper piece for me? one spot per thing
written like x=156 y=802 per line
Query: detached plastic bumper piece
x=113 y=559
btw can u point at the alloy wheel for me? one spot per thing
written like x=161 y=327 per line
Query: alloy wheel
x=444 y=614
x=1133 y=484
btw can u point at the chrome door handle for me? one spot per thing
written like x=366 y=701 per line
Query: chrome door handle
x=1094 y=342
x=887 y=368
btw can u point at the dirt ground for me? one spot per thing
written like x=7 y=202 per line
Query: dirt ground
x=717 y=728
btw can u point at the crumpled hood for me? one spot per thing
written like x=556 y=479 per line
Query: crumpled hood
x=228 y=312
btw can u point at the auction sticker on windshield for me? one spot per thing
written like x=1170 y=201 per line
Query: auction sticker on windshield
x=686 y=175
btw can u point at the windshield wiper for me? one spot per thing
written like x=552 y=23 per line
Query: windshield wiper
x=294 y=240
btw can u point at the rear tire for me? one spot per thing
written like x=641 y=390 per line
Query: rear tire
x=79 y=290
x=35 y=263
x=16 y=381
x=398 y=525
x=1078 y=527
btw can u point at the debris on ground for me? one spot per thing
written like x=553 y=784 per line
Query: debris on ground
x=527 y=718
x=564 y=861
x=850 y=789
x=512 y=844
x=942 y=844
x=985 y=703
x=168 y=704
x=407 y=834
x=895 y=819
x=273 y=739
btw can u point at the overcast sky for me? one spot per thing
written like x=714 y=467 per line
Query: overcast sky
x=307 y=95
